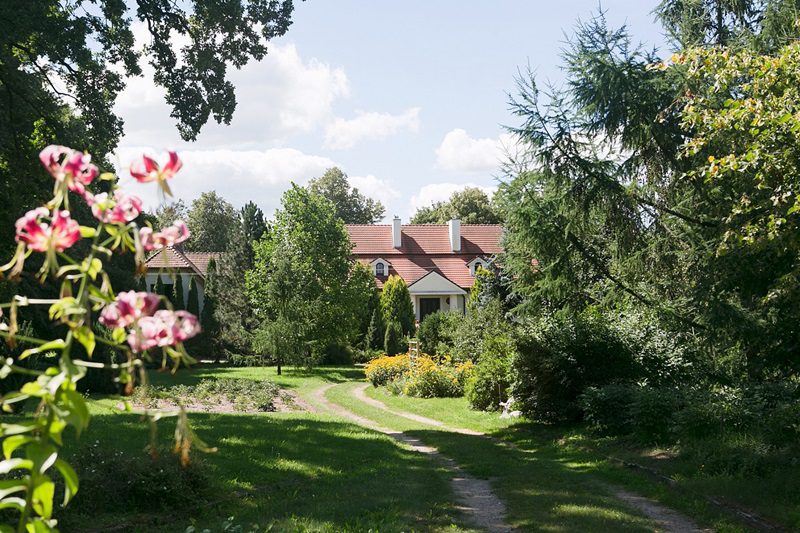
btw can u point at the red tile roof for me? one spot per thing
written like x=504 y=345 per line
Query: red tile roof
x=425 y=248
x=174 y=259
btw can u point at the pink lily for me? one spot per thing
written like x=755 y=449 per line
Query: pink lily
x=128 y=308
x=121 y=209
x=69 y=167
x=146 y=169
x=170 y=236
x=42 y=237
x=164 y=328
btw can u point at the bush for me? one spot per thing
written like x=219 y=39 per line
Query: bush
x=483 y=331
x=112 y=480
x=437 y=331
x=394 y=342
x=489 y=383
x=559 y=357
x=426 y=378
x=338 y=355
x=429 y=379
x=608 y=409
x=366 y=355
x=384 y=369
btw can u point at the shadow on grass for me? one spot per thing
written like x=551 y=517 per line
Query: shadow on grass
x=287 y=471
x=545 y=490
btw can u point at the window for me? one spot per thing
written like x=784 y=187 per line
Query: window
x=380 y=269
x=476 y=265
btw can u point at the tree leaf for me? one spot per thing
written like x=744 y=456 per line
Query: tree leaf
x=71 y=482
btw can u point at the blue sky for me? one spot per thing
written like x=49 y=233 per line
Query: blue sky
x=408 y=98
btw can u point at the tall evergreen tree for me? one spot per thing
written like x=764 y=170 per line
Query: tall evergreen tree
x=396 y=305
x=178 y=299
x=193 y=302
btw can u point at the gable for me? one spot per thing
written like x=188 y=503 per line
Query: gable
x=434 y=283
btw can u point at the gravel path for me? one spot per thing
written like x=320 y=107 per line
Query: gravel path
x=666 y=519
x=475 y=497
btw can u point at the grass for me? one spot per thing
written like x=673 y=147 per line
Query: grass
x=288 y=471
x=542 y=492
x=774 y=497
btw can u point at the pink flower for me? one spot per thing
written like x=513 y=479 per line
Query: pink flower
x=164 y=328
x=69 y=166
x=121 y=209
x=146 y=169
x=170 y=236
x=39 y=236
x=128 y=308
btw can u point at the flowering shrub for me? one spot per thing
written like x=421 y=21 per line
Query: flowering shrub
x=384 y=369
x=141 y=324
x=426 y=377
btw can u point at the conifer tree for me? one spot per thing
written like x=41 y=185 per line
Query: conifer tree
x=177 y=293
x=193 y=303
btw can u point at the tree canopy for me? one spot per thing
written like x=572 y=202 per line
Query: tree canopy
x=211 y=221
x=471 y=205
x=351 y=206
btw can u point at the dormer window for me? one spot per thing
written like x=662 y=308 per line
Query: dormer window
x=475 y=264
x=380 y=267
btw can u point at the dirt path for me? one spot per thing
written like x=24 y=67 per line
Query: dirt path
x=475 y=497
x=667 y=520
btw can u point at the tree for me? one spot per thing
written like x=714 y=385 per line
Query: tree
x=167 y=214
x=63 y=64
x=301 y=274
x=364 y=299
x=211 y=221
x=208 y=319
x=177 y=293
x=471 y=206
x=393 y=339
x=662 y=186
x=254 y=225
x=396 y=305
x=351 y=206
x=193 y=303
x=158 y=288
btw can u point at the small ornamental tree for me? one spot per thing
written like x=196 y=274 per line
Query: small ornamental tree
x=193 y=303
x=396 y=304
x=177 y=292
x=141 y=324
x=393 y=339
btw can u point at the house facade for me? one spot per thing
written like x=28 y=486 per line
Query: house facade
x=174 y=265
x=437 y=261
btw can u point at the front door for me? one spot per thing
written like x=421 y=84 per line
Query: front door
x=428 y=306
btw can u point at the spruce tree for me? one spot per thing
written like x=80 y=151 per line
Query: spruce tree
x=193 y=304
x=177 y=293
x=159 y=287
x=396 y=305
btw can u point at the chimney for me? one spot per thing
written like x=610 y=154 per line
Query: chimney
x=455 y=234
x=397 y=234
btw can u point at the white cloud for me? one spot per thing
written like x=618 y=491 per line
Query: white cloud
x=382 y=190
x=459 y=152
x=238 y=175
x=281 y=95
x=441 y=192
x=342 y=134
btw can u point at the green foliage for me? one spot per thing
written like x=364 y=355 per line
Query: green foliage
x=193 y=302
x=166 y=214
x=393 y=339
x=489 y=383
x=471 y=206
x=351 y=206
x=438 y=330
x=559 y=357
x=208 y=342
x=396 y=305
x=158 y=287
x=305 y=278
x=483 y=331
x=211 y=222
x=177 y=298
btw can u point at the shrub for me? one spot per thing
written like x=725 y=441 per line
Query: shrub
x=366 y=355
x=384 y=369
x=437 y=331
x=393 y=340
x=483 y=331
x=338 y=354
x=608 y=409
x=429 y=379
x=112 y=479
x=489 y=383
x=559 y=357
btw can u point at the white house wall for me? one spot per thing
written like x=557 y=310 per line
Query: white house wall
x=186 y=279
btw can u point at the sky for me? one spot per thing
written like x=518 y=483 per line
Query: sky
x=409 y=99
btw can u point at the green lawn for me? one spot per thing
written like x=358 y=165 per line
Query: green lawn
x=314 y=472
x=291 y=471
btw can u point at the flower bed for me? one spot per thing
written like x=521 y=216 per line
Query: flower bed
x=424 y=377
